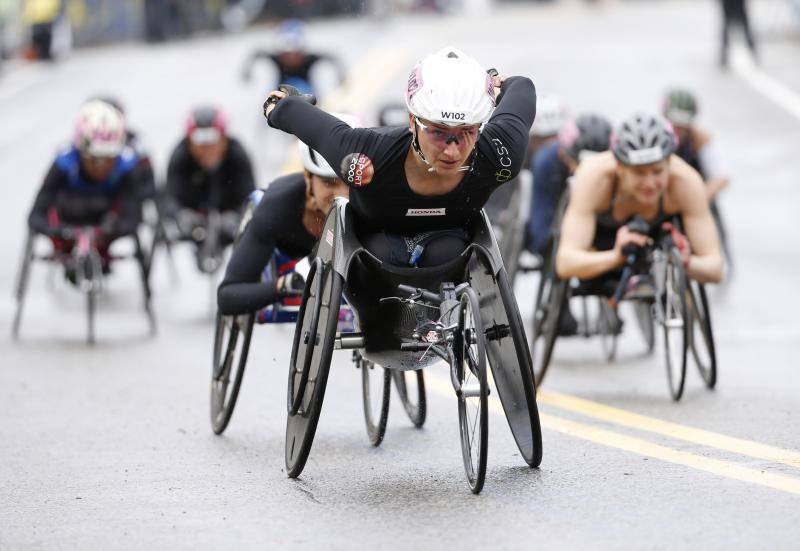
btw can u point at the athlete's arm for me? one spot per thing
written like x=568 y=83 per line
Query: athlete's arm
x=705 y=263
x=177 y=180
x=509 y=125
x=38 y=219
x=243 y=181
x=128 y=210
x=324 y=133
x=242 y=290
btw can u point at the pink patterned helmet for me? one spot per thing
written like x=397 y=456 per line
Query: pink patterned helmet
x=100 y=130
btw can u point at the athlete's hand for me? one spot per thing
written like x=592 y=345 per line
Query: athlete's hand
x=497 y=81
x=680 y=241
x=272 y=100
x=627 y=237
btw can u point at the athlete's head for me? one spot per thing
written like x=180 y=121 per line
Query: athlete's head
x=99 y=137
x=643 y=145
x=680 y=108
x=551 y=115
x=449 y=97
x=323 y=185
x=206 y=132
x=583 y=137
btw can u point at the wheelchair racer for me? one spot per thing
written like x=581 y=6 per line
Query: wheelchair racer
x=552 y=167
x=639 y=176
x=293 y=62
x=208 y=171
x=286 y=224
x=415 y=188
x=694 y=144
x=90 y=183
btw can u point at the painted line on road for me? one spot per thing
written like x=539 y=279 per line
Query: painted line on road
x=632 y=420
x=359 y=88
x=769 y=87
x=640 y=446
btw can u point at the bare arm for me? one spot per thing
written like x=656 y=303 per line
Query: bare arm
x=705 y=262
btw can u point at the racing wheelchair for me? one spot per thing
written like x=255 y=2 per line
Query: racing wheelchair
x=669 y=302
x=471 y=321
x=86 y=267
x=232 y=337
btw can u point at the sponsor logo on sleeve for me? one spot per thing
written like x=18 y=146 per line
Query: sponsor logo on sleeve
x=357 y=169
x=504 y=174
x=426 y=212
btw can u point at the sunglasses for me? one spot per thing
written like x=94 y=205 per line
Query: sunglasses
x=442 y=136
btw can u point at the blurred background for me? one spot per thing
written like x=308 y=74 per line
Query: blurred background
x=106 y=440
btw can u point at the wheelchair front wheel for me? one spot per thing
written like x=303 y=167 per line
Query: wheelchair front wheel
x=644 y=319
x=315 y=334
x=608 y=327
x=375 y=391
x=473 y=414
x=675 y=323
x=551 y=299
x=231 y=345
x=414 y=401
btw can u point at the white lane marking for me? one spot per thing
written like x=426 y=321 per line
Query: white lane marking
x=769 y=87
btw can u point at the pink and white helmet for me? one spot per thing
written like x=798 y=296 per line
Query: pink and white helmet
x=450 y=88
x=100 y=130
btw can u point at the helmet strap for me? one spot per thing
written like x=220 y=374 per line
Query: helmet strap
x=418 y=149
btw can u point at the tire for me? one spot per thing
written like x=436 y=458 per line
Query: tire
x=22 y=283
x=416 y=409
x=551 y=297
x=644 y=319
x=701 y=335
x=376 y=386
x=473 y=395
x=675 y=322
x=302 y=424
x=606 y=326
x=92 y=274
x=306 y=326
x=231 y=346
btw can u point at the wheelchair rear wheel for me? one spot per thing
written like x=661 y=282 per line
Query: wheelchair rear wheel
x=412 y=395
x=376 y=386
x=314 y=338
x=551 y=298
x=675 y=323
x=701 y=335
x=231 y=345
x=473 y=413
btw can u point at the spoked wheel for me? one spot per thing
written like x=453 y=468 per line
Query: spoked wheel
x=314 y=337
x=473 y=413
x=644 y=319
x=376 y=386
x=551 y=297
x=701 y=335
x=411 y=388
x=607 y=326
x=231 y=345
x=675 y=323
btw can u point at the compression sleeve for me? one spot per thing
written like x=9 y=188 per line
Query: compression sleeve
x=324 y=133
x=46 y=198
x=176 y=180
x=242 y=291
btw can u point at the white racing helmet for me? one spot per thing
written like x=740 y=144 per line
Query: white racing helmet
x=551 y=115
x=316 y=163
x=450 y=88
x=100 y=129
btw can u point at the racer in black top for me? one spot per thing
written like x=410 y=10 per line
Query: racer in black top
x=293 y=63
x=90 y=183
x=434 y=175
x=208 y=171
x=289 y=219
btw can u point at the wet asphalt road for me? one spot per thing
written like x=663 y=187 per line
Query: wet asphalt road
x=111 y=447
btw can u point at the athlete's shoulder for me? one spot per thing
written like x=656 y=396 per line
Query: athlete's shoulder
x=285 y=186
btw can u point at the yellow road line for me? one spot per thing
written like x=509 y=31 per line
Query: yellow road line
x=640 y=446
x=359 y=89
x=666 y=428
